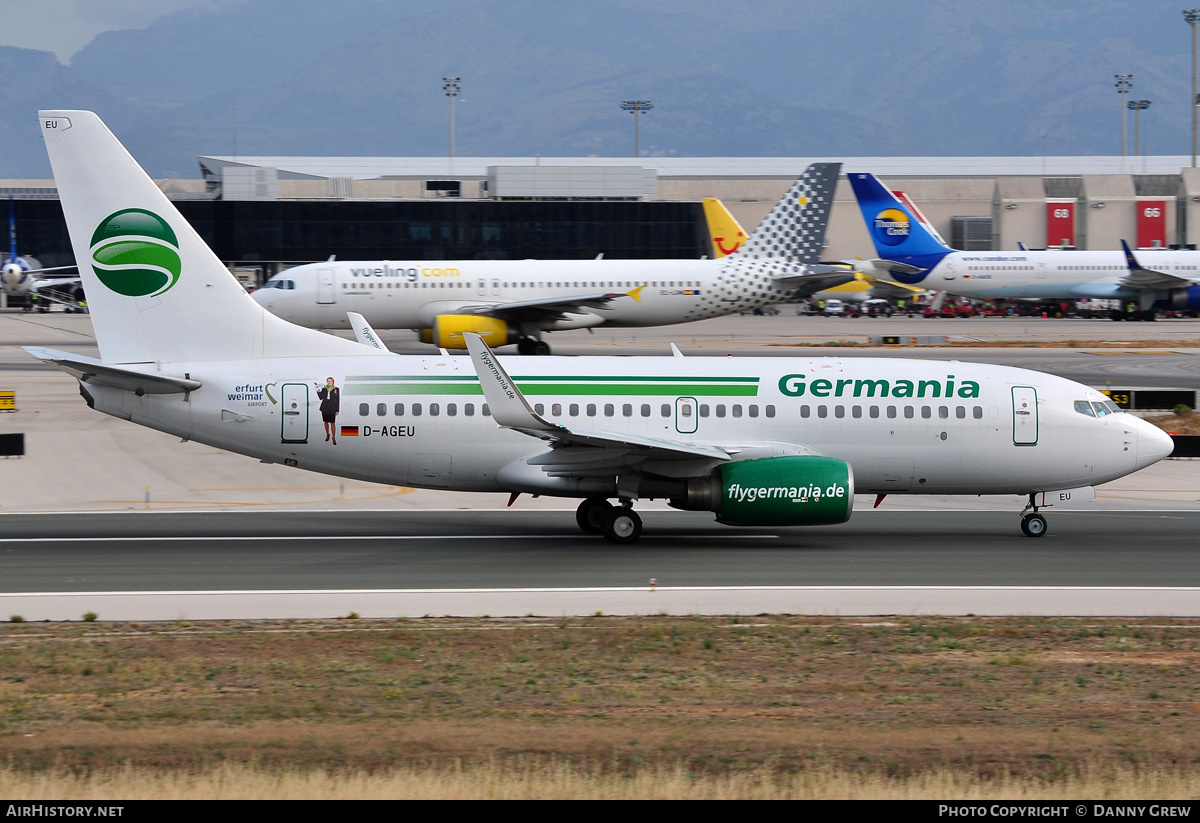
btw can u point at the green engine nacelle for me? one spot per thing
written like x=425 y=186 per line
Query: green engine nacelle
x=794 y=490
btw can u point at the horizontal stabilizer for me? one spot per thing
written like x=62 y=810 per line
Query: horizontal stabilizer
x=92 y=371
x=896 y=267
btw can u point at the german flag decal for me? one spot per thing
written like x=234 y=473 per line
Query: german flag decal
x=349 y=431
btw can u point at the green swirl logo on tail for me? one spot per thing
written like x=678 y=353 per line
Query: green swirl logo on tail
x=135 y=253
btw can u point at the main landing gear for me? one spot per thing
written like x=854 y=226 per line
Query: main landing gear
x=531 y=345
x=1032 y=523
x=618 y=524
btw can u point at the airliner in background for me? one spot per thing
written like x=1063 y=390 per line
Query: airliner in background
x=20 y=276
x=764 y=442
x=912 y=254
x=519 y=301
x=723 y=225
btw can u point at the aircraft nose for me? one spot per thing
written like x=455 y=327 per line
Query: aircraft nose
x=1153 y=444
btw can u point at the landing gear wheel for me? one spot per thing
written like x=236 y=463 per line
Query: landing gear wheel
x=622 y=525
x=1034 y=525
x=592 y=513
x=525 y=345
x=541 y=348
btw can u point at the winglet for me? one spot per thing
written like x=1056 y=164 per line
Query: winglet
x=675 y=352
x=363 y=332
x=636 y=294
x=508 y=406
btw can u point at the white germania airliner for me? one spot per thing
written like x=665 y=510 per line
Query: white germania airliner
x=759 y=441
x=913 y=254
x=518 y=301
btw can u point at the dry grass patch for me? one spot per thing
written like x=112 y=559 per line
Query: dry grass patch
x=538 y=780
x=1028 y=699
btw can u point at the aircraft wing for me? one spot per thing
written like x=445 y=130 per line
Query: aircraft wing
x=550 y=308
x=1143 y=279
x=90 y=370
x=511 y=410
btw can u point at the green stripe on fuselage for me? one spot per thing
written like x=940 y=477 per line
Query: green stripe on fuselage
x=560 y=386
x=523 y=378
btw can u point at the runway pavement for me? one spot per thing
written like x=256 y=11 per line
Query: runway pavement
x=255 y=565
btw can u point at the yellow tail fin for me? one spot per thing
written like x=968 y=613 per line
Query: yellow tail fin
x=726 y=233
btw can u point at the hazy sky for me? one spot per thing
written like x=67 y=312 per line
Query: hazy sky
x=66 y=26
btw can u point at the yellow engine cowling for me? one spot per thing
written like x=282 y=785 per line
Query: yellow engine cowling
x=448 y=330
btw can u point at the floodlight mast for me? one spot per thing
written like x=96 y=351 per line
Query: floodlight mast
x=452 y=87
x=1123 y=85
x=1191 y=17
x=1137 y=107
x=636 y=107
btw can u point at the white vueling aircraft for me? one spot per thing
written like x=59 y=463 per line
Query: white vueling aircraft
x=759 y=441
x=519 y=301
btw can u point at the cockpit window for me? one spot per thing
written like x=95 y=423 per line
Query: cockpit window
x=1084 y=407
x=1105 y=407
x=1112 y=407
x=281 y=284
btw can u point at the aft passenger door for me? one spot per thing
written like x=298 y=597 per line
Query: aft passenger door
x=1025 y=416
x=294 y=428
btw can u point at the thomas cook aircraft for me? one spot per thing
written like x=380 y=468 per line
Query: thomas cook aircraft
x=758 y=441
x=25 y=275
x=911 y=253
x=518 y=301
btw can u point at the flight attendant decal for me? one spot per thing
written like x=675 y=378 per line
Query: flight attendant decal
x=331 y=403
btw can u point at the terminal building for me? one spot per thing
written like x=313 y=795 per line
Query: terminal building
x=262 y=214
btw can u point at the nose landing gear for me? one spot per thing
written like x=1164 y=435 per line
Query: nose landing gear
x=1032 y=523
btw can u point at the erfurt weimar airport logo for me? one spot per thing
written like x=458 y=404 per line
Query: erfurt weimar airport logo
x=135 y=253
x=891 y=227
